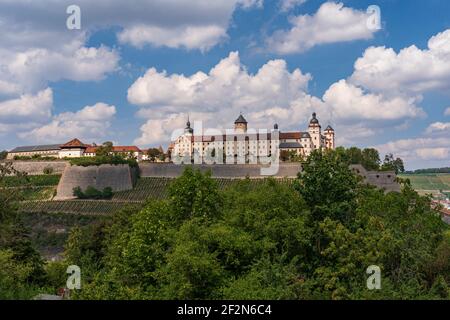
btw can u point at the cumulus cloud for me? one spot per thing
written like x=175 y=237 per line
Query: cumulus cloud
x=332 y=23
x=435 y=151
x=412 y=70
x=272 y=95
x=286 y=5
x=351 y=102
x=439 y=127
x=89 y=124
x=27 y=110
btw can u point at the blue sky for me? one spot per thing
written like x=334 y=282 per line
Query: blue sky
x=136 y=69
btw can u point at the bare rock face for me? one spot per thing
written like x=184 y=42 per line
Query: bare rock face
x=118 y=177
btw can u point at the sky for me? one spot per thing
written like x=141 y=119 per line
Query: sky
x=135 y=70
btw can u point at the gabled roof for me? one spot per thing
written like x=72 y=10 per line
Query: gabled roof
x=240 y=119
x=47 y=147
x=75 y=143
x=329 y=128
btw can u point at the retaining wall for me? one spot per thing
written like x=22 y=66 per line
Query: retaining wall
x=118 y=177
x=218 y=170
x=37 y=167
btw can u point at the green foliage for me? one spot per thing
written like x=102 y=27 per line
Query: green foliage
x=391 y=164
x=93 y=193
x=113 y=159
x=3 y=154
x=155 y=153
x=104 y=150
x=36 y=157
x=33 y=181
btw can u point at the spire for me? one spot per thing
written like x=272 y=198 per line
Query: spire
x=314 y=119
x=240 y=119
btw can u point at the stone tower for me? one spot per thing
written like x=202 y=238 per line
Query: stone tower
x=240 y=125
x=329 y=138
x=314 y=131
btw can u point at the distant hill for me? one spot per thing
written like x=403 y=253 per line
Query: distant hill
x=430 y=170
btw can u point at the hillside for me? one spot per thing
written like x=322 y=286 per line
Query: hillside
x=145 y=189
x=429 y=182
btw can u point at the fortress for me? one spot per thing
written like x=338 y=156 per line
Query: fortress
x=242 y=145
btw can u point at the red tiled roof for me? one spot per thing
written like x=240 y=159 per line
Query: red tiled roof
x=91 y=149
x=75 y=143
x=290 y=135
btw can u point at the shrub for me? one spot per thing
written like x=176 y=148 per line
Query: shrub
x=99 y=160
x=93 y=193
x=48 y=170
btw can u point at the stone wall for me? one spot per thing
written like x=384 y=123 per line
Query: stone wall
x=385 y=180
x=219 y=171
x=37 y=167
x=118 y=177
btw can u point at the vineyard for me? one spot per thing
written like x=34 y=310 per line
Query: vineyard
x=84 y=207
x=429 y=181
x=145 y=189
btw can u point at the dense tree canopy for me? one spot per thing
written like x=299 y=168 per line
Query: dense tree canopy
x=314 y=239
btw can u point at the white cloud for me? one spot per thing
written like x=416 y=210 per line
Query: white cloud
x=439 y=127
x=332 y=23
x=88 y=124
x=412 y=70
x=27 y=108
x=272 y=94
x=190 y=37
x=32 y=69
x=447 y=112
x=351 y=102
x=287 y=5
x=415 y=151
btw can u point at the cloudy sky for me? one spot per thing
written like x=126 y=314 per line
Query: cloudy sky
x=136 y=69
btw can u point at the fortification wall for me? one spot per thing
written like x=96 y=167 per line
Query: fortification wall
x=385 y=180
x=118 y=177
x=217 y=170
x=37 y=167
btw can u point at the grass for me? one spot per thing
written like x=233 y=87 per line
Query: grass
x=34 y=181
x=433 y=181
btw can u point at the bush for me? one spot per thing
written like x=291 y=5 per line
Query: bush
x=99 y=160
x=93 y=193
x=48 y=170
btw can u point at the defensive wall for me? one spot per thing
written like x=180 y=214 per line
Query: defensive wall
x=118 y=177
x=37 y=167
x=386 y=180
x=289 y=170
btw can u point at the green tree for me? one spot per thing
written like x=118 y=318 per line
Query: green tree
x=3 y=154
x=105 y=149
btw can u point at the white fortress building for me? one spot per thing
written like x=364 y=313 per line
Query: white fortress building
x=250 y=145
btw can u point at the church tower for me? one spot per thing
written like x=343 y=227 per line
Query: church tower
x=240 y=125
x=329 y=138
x=314 y=131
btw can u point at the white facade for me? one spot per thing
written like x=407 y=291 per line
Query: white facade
x=252 y=146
